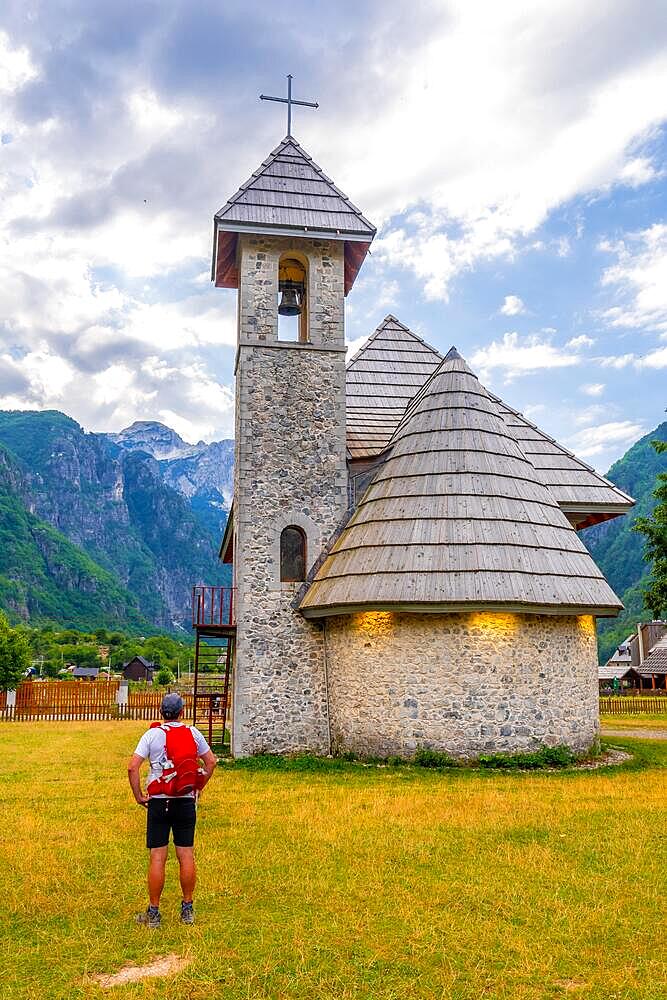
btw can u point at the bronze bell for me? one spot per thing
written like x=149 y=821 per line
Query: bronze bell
x=291 y=299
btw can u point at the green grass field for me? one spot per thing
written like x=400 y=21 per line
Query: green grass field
x=343 y=882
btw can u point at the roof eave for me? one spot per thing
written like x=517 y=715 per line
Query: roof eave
x=266 y=229
x=440 y=608
x=226 y=554
x=586 y=515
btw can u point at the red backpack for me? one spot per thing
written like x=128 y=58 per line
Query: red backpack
x=181 y=774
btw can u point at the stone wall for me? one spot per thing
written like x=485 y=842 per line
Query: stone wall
x=462 y=683
x=289 y=469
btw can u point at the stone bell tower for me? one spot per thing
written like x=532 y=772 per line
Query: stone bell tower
x=288 y=240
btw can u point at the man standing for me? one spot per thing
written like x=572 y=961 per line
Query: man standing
x=167 y=813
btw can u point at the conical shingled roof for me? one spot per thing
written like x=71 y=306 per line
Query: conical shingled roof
x=381 y=379
x=290 y=194
x=457 y=519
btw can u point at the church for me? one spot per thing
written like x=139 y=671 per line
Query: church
x=406 y=563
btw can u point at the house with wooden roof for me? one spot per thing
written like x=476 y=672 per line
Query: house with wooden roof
x=139 y=669
x=406 y=561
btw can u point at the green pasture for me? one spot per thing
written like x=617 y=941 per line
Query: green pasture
x=345 y=881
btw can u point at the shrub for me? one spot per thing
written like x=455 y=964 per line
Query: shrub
x=432 y=758
x=560 y=756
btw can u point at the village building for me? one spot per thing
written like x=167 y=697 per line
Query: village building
x=139 y=669
x=406 y=562
x=86 y=673
x=640 y=661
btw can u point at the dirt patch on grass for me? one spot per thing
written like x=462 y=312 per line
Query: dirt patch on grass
x=608 y=759
x=168 y=965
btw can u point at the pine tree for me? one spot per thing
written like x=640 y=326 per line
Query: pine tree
x=654 y=529
x=14 y=656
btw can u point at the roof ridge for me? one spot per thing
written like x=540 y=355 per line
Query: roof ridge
x=380 y=329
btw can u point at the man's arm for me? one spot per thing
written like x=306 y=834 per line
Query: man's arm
x=135 y=781
x=210 y=762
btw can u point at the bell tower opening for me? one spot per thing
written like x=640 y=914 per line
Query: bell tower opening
x=293 y=298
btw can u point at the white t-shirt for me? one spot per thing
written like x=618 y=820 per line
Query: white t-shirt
x=153 y=747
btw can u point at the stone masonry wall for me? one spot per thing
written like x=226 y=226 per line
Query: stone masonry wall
x=290 y=469
x=462 y=683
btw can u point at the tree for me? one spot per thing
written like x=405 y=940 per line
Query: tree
x=14 y=656
x=164 y=676
x=654 y=530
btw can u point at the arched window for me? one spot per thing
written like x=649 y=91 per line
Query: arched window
x=292 y=298
x=292 y=555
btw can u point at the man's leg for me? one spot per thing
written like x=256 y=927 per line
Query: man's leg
x=188 y=871
x=156 y=869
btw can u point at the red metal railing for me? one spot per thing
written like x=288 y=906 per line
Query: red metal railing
x=213 y=606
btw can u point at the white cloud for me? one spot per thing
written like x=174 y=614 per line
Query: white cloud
x=597 y=439
x=517 y=355
x=495 y=167
x=638 y=171
x=654 y=359
x=617 y=361
x=512 y=306
x=590 y=414
x=592 y=388
x=563 y=246
x=581 y=341
x=106 y=197
x=354 y=345
x=16 y=66
x=638 y=279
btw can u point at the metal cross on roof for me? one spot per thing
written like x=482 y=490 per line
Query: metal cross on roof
x=289 y=101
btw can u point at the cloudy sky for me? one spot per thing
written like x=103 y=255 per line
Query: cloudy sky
x=513 y=157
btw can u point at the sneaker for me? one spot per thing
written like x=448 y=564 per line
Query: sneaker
x=187 y=913
x=149 y=918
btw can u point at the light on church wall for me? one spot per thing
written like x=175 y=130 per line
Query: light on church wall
x=586 y=624
x=494 y=621
x=375 y=624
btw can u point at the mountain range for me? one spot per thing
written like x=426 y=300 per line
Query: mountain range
x=114 y=529
x=107 y=529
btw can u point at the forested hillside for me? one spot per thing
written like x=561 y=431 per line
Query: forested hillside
x=44 y=577
x=94 y=535
x=616 y=548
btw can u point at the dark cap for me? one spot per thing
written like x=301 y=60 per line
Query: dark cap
x=172 y=705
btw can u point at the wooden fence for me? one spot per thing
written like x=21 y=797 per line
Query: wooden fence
x=626 y=705
x=60 y=701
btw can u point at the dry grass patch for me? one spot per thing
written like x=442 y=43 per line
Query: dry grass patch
x=364 y=883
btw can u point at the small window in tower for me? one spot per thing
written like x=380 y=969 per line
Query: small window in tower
x=292 y=555
x=292 y=307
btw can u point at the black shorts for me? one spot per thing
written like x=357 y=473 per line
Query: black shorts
x=165 y=815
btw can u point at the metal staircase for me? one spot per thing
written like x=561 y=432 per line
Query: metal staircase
x=213 y=621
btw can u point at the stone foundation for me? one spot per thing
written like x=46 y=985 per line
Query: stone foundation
x=463 y=683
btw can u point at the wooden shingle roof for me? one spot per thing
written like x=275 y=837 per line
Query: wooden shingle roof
x=381 y=380
x=585 y=495
x=656 y=661
x=457 y=519
x=289 y=194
